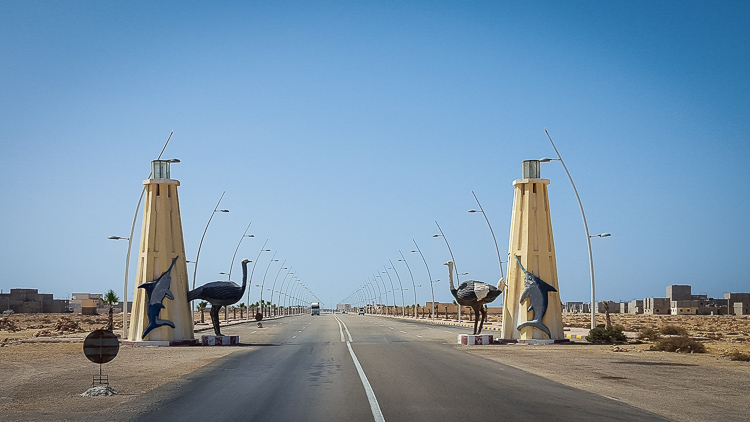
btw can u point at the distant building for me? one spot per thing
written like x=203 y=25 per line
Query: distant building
x=679 y=292
x=92 y=304
x=576 y=308
x=614 y=307
x=28 y=301
x=635 y=307
x=738 y=301
x=656 y=306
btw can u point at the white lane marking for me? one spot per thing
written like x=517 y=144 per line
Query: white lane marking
x=403 y=331
x=253 y=332
x=294 y=336
x=341 y=331
x=419 y=336
x=346 y=328
x=390 y=328
x=377 y=414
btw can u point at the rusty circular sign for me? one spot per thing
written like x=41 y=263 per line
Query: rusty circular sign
x=101 y=346
x=258 y=316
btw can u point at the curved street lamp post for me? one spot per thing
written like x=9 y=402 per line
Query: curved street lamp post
x=412 y=282
x=585 y=225
x=432 y=316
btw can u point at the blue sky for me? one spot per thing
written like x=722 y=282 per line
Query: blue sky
x=344 y=130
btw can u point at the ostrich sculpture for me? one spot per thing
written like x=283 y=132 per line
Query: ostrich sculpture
x=220 y=293
x=475 y=294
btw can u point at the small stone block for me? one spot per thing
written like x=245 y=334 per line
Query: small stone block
x=220 y=340
x=475 y=340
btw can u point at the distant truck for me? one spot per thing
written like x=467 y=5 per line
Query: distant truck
x=315 y=308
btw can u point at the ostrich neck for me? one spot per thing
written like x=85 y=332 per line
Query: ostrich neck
x=244 y=275
x=450 y=277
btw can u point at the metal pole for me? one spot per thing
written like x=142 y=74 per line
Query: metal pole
x=428 y=275
x=588 y=237
x=200 y=245
x=229 y=277
x=274 y=283
x=250 y=284
x=263 y=284
x=403 y=304
x=412 y=282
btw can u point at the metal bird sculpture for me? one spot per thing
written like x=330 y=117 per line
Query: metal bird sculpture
x=220 y=293
x=475 y=294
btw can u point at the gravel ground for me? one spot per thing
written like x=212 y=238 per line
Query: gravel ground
x=682 y=387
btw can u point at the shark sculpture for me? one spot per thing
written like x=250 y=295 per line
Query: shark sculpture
x=156 y=291
x=536 y=291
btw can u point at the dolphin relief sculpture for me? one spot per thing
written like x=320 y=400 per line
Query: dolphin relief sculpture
x=156 y=291
x=536 y=291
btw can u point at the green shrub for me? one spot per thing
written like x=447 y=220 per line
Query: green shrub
x=648 y=334
x=672 y=330
x=679 y=344
x=602 y=334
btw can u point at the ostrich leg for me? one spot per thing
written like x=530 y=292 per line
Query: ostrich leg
x=484 y=318
x=477 y=317
x=215 y=319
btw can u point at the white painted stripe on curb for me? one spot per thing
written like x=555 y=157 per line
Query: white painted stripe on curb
x=377 y=414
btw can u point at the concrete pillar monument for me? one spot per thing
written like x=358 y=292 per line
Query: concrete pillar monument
x=161 y=312
x=532 y=307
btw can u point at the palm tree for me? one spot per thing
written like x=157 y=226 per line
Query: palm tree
x=110 y=298
x=242 y=308
x=202 y=306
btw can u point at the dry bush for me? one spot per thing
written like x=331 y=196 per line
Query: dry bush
x=67 y=324
x=672 y=330
x=8 y=325
x=679 y=344
x=649 y=334
x=738 y=356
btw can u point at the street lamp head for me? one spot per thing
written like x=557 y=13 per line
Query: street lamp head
x=435 y=235
x=601 y=235
x=118 y=238
x=475 y=211
x=174 y=160
x=221 y=211
x=547 y=159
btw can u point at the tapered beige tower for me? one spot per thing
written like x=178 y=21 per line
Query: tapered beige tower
x=161 y=242
x=531 y=240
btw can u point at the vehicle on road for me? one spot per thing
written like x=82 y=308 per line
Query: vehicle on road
x=315 y=308
x=361 y=311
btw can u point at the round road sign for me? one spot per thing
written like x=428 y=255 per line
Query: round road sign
x=101 y=346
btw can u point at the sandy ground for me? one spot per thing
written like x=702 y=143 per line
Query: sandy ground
x=43 y=369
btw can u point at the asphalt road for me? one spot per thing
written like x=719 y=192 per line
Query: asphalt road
x=360 y=368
